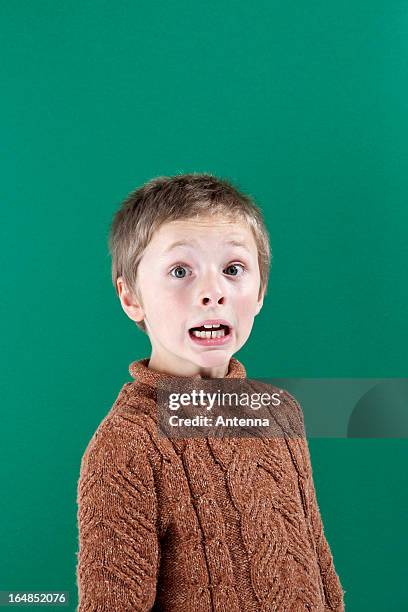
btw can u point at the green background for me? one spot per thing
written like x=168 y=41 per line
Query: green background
x=301 y=104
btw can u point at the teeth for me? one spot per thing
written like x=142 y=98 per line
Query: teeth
x=208 y=334
x=212 y=326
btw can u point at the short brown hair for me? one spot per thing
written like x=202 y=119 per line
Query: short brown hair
x=170 y=198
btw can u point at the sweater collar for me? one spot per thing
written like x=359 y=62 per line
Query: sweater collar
x=140 y=371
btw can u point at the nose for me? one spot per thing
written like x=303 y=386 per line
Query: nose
x=211 y=293
x=212 y=300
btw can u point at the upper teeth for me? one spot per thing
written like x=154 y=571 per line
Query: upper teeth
x=210 y=326
x=215 y=333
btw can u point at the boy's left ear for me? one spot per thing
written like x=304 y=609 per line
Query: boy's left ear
x=260 y=304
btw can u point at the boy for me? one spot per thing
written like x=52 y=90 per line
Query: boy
x=229 y=525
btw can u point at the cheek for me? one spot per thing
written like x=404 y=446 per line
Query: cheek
x=245 y=298
x=245 y=304
x=245 y=310
x=178 y=297
x=171 y=318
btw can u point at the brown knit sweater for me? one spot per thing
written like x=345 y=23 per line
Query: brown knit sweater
x=199 y=524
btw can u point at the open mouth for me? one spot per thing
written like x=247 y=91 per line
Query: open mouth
x=212 y=332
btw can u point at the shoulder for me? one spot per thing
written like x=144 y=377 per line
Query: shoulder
x=285 y=405
x=114 y=444
x=119 y=437
x=293 y=403
x=127 y=435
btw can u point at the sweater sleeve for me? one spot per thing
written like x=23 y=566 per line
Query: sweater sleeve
x=119 y=552
x=333 y=591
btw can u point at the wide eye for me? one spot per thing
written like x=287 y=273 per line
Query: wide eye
x=235 y=266
x=178 y=272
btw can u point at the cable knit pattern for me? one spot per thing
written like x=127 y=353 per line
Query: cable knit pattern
x=199 y=524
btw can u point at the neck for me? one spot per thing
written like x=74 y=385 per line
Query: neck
x=187 y=368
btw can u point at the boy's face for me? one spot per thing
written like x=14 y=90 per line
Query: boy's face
x=182 y=286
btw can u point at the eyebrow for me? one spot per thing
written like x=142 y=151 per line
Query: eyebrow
x=187 y=243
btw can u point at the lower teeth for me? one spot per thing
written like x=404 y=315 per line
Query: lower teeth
x=208 y=334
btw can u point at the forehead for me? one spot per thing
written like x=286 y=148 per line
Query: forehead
x=204 y=233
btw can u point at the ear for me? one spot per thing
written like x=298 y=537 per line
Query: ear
x=130 y=304
x=260 y=303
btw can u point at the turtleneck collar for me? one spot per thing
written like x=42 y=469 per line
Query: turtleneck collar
x=140 y=371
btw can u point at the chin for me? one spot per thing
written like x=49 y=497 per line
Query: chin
x=213 y=358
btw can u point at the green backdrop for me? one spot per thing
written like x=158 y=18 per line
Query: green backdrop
x=301 y=104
